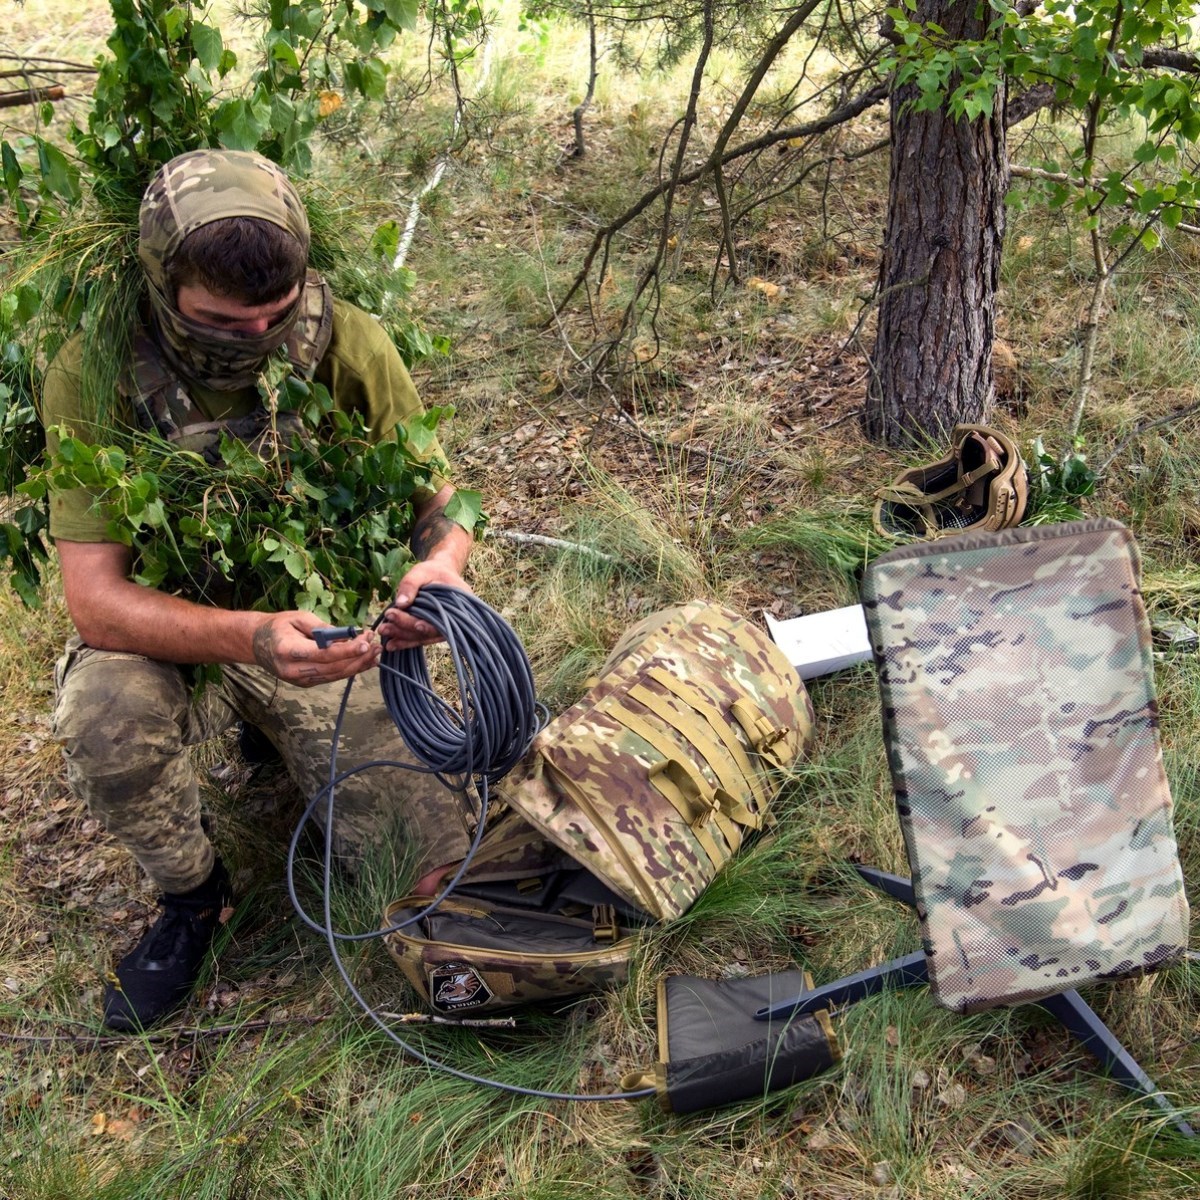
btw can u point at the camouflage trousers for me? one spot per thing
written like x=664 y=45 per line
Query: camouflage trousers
x=127 y=722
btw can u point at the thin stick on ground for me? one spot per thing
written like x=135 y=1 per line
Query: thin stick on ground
x=552 y=543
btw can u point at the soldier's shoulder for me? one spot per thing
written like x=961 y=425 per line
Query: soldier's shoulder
x=357 y=337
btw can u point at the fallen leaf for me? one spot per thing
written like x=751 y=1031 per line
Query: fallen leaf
x=768 y=289
x=328 y=103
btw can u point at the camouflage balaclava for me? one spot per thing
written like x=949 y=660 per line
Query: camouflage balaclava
x=190 y=191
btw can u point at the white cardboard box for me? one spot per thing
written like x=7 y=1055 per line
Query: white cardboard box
x=821 y=643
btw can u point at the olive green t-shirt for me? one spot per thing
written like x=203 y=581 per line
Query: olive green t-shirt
x=361 y=368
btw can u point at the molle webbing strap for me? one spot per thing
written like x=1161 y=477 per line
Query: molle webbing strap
x=669 y=778
x=695 y=733
x=705 y=793
x=765 y=736
x=719 y=723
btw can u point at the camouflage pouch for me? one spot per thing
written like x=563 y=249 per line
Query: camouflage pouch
x=1022 y=734
x=623 y=811
x=475 y=956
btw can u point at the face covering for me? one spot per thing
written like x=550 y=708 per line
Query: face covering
x=191 y=191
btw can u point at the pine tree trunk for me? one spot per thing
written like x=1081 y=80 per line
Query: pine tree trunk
x=932 y=364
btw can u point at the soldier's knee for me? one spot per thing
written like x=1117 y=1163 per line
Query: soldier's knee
x=116 y=719
x=125 y=747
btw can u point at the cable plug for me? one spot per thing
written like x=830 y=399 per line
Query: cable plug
x=326 y=635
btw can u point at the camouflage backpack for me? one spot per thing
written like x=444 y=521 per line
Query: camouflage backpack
x=623 y=811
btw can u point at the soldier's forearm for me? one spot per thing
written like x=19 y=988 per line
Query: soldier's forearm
x=436 y=536
x=111 y=612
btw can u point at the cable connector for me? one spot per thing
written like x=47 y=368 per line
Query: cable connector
x=326 y=635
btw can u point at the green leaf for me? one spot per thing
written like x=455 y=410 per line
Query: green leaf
x=283 y=113
x=59 y=176
x=296 y=564
x=466 y=509
x=173 y=21
x=242 y=123
x=208 y=45
x=402 y=13
x=23 y=305
x=371 y=78
x=12 y=182
x=385 y=241
x=284 y=53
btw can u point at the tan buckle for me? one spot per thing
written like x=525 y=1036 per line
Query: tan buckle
x=605 y=927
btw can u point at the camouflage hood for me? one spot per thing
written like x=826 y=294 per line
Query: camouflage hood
x=187 y=193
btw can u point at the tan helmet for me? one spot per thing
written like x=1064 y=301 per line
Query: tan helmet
x=980 y=484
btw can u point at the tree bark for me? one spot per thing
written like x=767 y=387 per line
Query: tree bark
x=932 y=363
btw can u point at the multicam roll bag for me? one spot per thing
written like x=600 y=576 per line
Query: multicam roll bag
x=624 y=810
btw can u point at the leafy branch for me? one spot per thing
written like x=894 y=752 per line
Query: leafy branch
x=316 y=520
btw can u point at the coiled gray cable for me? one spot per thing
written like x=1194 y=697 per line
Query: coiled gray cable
x=497 y=717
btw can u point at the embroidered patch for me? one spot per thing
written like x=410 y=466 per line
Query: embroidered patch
x=456 y=987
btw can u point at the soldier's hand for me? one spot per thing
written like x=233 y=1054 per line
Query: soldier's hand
x=400 y=630
x=284 y=646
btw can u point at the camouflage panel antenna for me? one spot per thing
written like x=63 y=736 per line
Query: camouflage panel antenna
x=653 y=779
x=1022 y=734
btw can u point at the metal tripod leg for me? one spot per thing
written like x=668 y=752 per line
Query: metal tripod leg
x=896 y=886
x=1082 y=1023
x=909 y=971
x=1076 y=1015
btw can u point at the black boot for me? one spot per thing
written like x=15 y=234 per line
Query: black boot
x=160 y=973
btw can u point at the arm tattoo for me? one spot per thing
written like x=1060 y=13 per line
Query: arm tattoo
x=429 y=530
x=264 y=647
